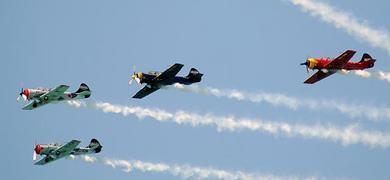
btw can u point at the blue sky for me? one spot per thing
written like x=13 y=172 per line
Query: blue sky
x=249 y=45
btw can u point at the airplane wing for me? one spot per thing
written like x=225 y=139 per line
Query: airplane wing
x=33 y=104
x=61 y=152
x=340 y=61
x=57 y=91
x=319 y=75
x=168 y=74
x=144 y=92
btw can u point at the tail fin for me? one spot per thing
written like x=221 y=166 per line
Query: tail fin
x=94 y=144
x=366 y=57
x=194 y=75
x=84 y=88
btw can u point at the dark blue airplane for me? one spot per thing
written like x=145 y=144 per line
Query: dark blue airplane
x=155 y=80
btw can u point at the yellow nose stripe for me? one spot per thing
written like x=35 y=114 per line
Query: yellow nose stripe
x=139 y=75
x=312 y=62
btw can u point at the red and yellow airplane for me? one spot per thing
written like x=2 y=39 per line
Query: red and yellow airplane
x=328 y=66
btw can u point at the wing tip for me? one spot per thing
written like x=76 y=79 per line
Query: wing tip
x=77 y=141
x=136 y=97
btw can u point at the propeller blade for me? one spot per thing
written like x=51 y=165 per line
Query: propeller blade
x=34 y=153
x=307 y=66
x=20 y=94
x=34 y=156
x=24 y=97
x=133 y=76
x=138 y=80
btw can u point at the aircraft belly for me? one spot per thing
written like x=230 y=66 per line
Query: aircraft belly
x=147 y=78
x=353 y=67
x=81 y=151
x=181 y=80
x=68 y=96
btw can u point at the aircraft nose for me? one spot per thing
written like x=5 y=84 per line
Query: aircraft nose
x=26 y=92
x=38 y=149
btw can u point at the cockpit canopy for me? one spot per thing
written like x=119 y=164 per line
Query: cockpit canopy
x=156 y=73
x=42 y=89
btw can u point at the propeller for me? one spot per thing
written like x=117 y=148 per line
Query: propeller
x=34 y=156
x=306 y=63
x=21 y=95
x=34 y=152
x=134 y=77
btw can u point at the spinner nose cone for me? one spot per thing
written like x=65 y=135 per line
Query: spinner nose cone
x=38 y=149
x=137 y=77
x=26 y=94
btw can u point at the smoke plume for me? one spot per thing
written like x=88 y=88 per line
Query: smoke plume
x=347 y=22
x=280 y=100
x=349 y=135
x=183 y=171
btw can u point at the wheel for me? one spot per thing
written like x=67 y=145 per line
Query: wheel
x=35 y=105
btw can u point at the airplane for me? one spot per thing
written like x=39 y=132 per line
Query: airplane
x=328 y=66
x=155 y=80
x=43 y=96
x=57 y=151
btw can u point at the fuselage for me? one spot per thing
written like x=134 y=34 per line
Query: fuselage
x=148 y=79
x=321 y=63
x=35 y=94
x=48 y=149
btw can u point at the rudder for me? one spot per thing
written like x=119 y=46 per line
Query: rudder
x=94 y=144
x=84 y=91
x=194 y=75
x=366 y=57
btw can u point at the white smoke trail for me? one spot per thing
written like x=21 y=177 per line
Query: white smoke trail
x=183 y=171
x=272 y=98
x=370 y=112
x=348 y=135
x=381 y=75
x=347 y=22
